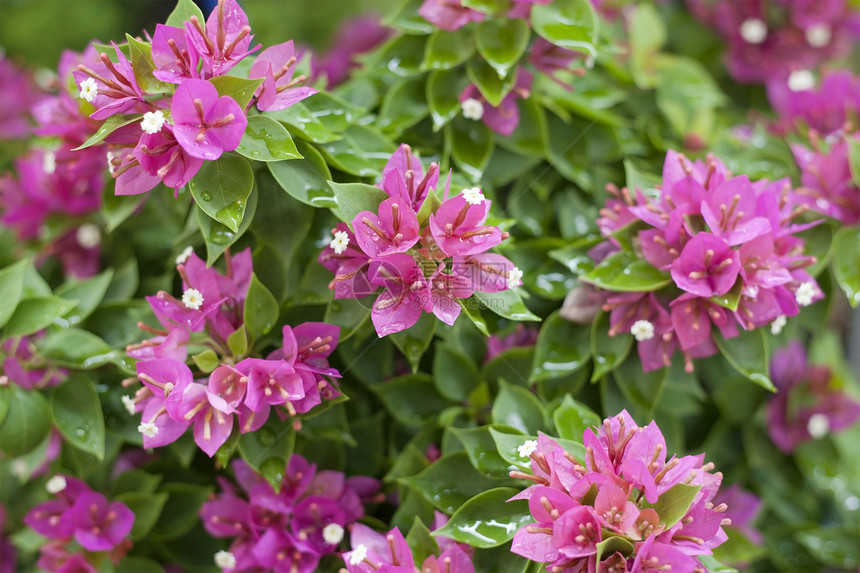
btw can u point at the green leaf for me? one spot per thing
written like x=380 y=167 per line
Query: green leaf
x=472 y=145
x=183 y=12
x=421 y=541
x=687 y=95
x=411 y=399
x=261 y=309
x=348 y=314
x=834 y=545
x=219 y=237
x=413 y=341
x=507 y=304
x=562 y=348
x=27 y=422
x=147 y=509
x=353 y=198
x=403 y=106
x=240 y=89
x=78 y=415
x=87 y=293
x=35 y=314
x=267 y=140
x=625 y=273
x=140 y=55
x=502 y=42
x=570 y=24
x=647 y=36
x=492 y=87
x=517 y=407
x=481 y=449
x=304 y=124
x=488 y=519
x=363 y=151
x=268 y=450
x=846 y=263
x=449 y=482
x=711 y=565
x=207 y=361
x=730 y=299
x=748 y=353
x=572 y=418
x=237 y=342
x=11 y=288
x=447 y=50
x=607 y=351
x=491 y=7
x=135 y=481
x=179 y=514
x=854 y=159
x=673 y=504
x=136 y=564
x=429 y=207
x=110 y=125
x=221 y=188
x=472 y=309
x=614 y=544
x=443 y=89
x=78 y=349
x=454 y=374
x=306 y=179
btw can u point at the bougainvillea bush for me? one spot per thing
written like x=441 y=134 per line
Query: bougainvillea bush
x=487 y=286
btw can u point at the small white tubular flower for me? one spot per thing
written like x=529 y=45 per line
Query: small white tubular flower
x=473 y=196
x=129 y=404
x=152 y=121
x=183 y=256
x=514 y=277
x=192 y=299
x=472 y=109
x=340 y=242
x=642 y=330
x=358 y=554
x=804 y=294
x=527 y=448
x=49 y=162
x=110 y=157
x=332 y=533
x=818 y=426
x=148 y=429
x=89 y=89
x=56 y=484
x=778 y=324
x=88 y=236
x=225 y=560
x=818 y=35
x=753 y=31
x=801 y=80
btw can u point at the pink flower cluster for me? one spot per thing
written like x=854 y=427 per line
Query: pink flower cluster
x=172 y=131
x=808 y=406
x=407 y=258
x=718 y=237
x=288 y=530
x=354 y=37
x=611 y=504
x=293 y=379
x=374 y=552
x=84 y=516
x=771 y=39
x=23 y=367
x=18 y=92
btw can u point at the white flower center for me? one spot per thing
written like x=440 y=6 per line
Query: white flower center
x=110 y=157
x=88 y=236
x=472 y=109
x=818 y=35
x=148 y=429
x=49 y=162
x=89 y=89
x=192 y=299
x=225 y=560
x=358 y=554
x=340 y=242
x=332 y=533
x=56 y=484
x=473 y=196
x=818 y=426
x=801 y=80
x=805 y=293
x=527 y=448
x=514 y=277
x=778 y=324
x=152 y=121
x=129 y=404
x=642 y=330
x=753 y=31
x=183 y=256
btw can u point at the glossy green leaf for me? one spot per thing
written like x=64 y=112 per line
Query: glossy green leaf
x=147 y=509
x=614 y=544
x=237 y=342
x=492 y=7
x=183 y=12
x=403 y=56
x=846 y=263
x=647 y=36
x=411 y=399
x=450 y=482
x=713 y=566
x=454 y=373
x=11 y=288
x=268 y=450
x=110 y=125
x=562 y=348
x=240 y=89
x=530 y=136
x=687 y=95
x=472 y=309
x=305 y=179
x=748 y=353
x=403 y=106
x=447 y=50
x=421 y=541
x=517 y=407
x=488 y=519
x=206 y=361
x=502 y=42
x=219 y=237
x=607 y=351
x=363 y=151
x=353 y=198
x=508 y=444
x=140 y=55
x=442 y=95
x=472 y=145
x=27 y=422
x=221 y=188
x=179 y=514
x=507 y=304
x=261 y=309
x=625 y=273
x=87 y=294
x=77 y=413
x=267 y=140
x=572 y=418
x=673 y=504
x=730 y=299
x=35 y=314
x=348 y=314
x=413 y=341
x=854 y=159
x=570 y=24
x=481 y=449
x=78 y=348
x=135 y=564
x=304 y=124
x=492 y=87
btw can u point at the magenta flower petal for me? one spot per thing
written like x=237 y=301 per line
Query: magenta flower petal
x=206 y=125
x=706 y=266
